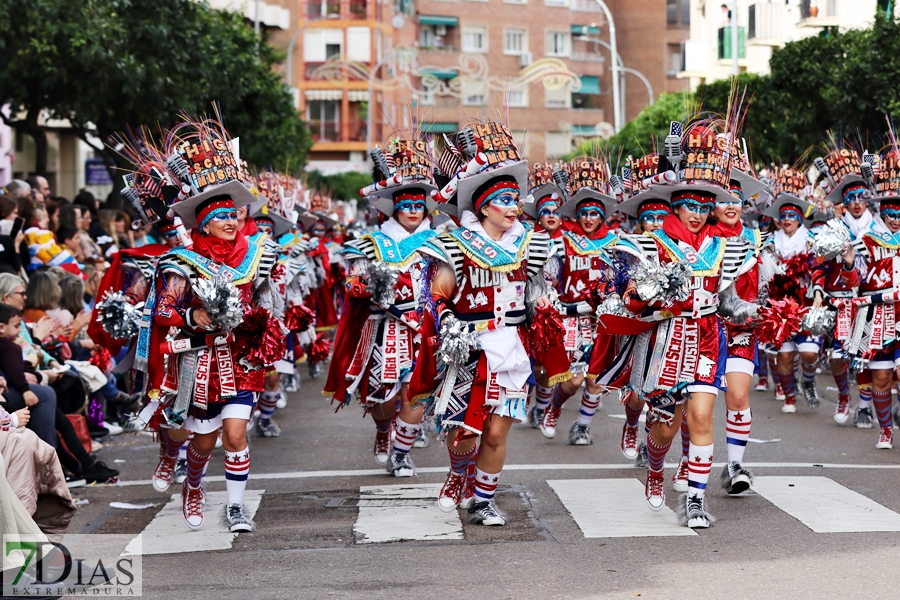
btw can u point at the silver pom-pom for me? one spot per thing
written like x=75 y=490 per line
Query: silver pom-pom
x=668 y=283
x=222 y=300
x=831 y=239
x=382 y=279
x=118 y=317
x=612 y=305
x=457 y=342
x=818 y=321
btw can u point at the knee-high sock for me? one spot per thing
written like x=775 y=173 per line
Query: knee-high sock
x=656 y=454
x=459 y=461
x=864 y=382
x=841 y=377
x=589 y=405
x=632 y=414
x=737 y=432
x=470 y=470
x=762 y=368
x=382 y=425
x=699 y=466
x=560 y=395
x=266 y=404
x=182 y=452
x=685 y=433
x=406 y=435
x=168 y=447
x=542 y=396
x=809 y=371
x=485 y=485
x=237 y=469
x=786 y=381
x=196 y=465
x=882 y=401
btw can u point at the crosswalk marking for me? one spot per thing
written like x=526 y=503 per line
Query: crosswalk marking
x=610 y=508
x=391 y=513
x=826 y=506
x=167 y=533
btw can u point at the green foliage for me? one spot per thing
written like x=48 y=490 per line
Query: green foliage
x=106 y=64
x=343 y=186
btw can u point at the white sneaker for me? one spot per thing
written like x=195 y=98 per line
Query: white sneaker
x=282 y=401
x=113 y=428
x=680 y=477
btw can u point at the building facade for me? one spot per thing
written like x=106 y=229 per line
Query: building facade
x=762 y=27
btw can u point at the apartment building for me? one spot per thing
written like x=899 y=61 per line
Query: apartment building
x=762 y=26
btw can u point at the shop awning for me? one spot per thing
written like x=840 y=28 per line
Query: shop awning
x=590 y=84
x=584 y=130
x=440 y=73
x=440 y=127
x=585 y=30
x=438 y=20
x=324 y=94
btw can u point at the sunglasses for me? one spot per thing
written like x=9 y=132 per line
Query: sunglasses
x=170 y=235
x=697 y=208
x=225 y=216
x=854 y=197
x=505 y=200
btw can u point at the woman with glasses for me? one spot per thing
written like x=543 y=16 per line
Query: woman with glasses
x=582 y=252
x=376 y=345
x=481 y=282
x=880 y=251
x=793 y=245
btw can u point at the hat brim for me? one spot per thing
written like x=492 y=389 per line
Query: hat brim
x=784 y=198
x=530 y=208
x=384 y=199
x=329 y=222
x=750 y=185
x=631 y=206
x=570 y=208
x=281 y=225
x=187 y=209
x=467 y=186
x=836 y=196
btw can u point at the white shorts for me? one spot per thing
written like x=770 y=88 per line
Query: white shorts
x=702 y=388
x=735 y=364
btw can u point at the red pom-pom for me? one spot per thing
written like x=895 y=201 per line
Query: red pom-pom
x=778 y=322
x=547 y=329
x=790 y=283
x=259 y=338
x=338 y=273
x=298 y=318
x=101 y=358
x=596 y=292
x=319 y=350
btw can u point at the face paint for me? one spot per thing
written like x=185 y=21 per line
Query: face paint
x=727 y=203
x=652 y=219
x=505 y=201
x=225 y=216
x=589 y=213
x=696 y=207
x=410 y=206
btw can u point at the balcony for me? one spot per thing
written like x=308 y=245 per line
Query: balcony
x=325 y=131
x=725 y=46
x=587 y=57
x=819 y=15
x=588 y=6
x=764 y=24
x=696 y=60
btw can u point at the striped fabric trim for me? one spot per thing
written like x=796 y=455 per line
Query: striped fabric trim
x=737 y=252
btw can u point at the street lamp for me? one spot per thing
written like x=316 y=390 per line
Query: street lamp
x=617 y=100
x=290 y=49
x=622 y=67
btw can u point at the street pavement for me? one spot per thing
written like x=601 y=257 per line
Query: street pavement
x=822 y=521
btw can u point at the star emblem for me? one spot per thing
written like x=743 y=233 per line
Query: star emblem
x=403 y=429
x=710 y=458
x=696 y=459
x=484 y=477
x=738 y=417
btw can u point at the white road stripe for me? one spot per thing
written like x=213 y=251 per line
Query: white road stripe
x=826 y=506
x=167 y=533
x=531 y=467
x=417 y=518
x=614 y=508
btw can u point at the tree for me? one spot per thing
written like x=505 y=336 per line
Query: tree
x=107 y=64
x=342 y=186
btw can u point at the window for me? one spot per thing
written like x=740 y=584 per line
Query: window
x=324 y=119
x=515 y=41
x=557 y=144
x=517 y=97
x=321 y=44
x=426 y=96
x=678 y=12
x=557 y=43
x=588 y=95
x=473 y=92
x=556 y=2
x=426 y=36
x=557 y=98
x=474 y=39
x=515 y=1
x=359 y=44
x=675 y=59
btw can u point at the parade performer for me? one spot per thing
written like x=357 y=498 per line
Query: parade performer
x=873 y=337
x=584 y=263
x=217 y=295
x=682 y=358
x=793 y=247
x=481 y=283
x=376 y=343
x=545 y=200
